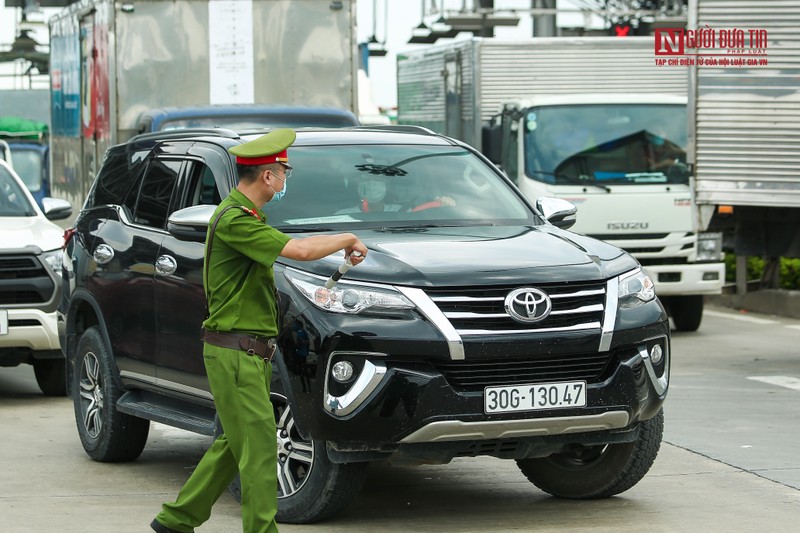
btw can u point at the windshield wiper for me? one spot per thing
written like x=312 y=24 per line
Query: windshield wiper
x=571 y=180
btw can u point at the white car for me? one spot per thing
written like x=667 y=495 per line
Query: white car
x=30 y=281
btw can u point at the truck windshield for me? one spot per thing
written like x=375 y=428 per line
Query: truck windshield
x=602 y=144
x=28 y=165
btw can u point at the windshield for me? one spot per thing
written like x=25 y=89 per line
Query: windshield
x=28 y=166
x=242 y=123
x=606 y=144
x=391 y=186
x=13 y=202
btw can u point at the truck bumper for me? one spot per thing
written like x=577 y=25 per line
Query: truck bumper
x=32 y=329
x=699 y=278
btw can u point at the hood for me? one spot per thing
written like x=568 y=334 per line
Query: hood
x=441 y=257
x=17 y=233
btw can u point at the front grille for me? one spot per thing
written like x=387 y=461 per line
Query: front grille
x=481 y=311
x=475 y=375
x=24 y=280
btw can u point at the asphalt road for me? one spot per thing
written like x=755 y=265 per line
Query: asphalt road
x=728 y=461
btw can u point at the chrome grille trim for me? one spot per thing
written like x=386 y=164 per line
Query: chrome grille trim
x=429 y=309
x=610 y=316
x=576 y=327
x=473 y=311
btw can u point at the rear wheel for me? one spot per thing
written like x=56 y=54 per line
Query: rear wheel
x=686 y=311
x=310 y=487
x=51 y=376
x=106 y=434
x=589 y=472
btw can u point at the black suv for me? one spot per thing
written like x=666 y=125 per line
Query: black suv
x=477 y=325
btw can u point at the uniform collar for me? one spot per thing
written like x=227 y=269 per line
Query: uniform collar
x=240 y=198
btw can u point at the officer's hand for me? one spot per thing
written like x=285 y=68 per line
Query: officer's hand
x=356 y=258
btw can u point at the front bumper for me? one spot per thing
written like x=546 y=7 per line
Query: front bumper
x=409 y=405
x=698 y=278
x=32 y=329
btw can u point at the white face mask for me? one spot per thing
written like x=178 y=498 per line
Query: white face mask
x=372 y=190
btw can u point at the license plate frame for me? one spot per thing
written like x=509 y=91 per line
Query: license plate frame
x=525 y=397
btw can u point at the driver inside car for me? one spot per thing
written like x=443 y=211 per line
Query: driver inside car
x=383 y=194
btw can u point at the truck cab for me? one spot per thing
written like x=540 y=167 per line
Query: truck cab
x=621 y=159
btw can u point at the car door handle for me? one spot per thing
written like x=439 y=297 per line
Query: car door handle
x=103 y=254
x=166 y=265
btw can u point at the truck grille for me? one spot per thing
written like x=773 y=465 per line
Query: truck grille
x=475 y=375
x=575 y=307
x=23 y=280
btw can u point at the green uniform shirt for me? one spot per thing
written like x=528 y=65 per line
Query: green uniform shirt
x=241 y=282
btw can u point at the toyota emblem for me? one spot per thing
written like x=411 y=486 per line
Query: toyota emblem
x=528 y=305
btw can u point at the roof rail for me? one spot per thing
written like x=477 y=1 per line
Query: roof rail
x=185 y=132
x=406 y=128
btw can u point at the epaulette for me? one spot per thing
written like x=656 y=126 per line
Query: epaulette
x=250 y=212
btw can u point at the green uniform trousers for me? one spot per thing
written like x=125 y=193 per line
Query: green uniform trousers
x=240 y=385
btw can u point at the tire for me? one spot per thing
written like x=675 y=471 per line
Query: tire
x=310 y=487
x=106 y=434
x=591 y=472
x=686 y=311
x=51 y=376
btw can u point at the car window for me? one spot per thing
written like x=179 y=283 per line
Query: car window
x=13 y=202
x=393 y=186
x=118 y=181
x=28 y=166
x=155 y=195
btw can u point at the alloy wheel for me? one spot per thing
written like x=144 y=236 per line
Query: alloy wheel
x=92 y=397
x=295 y=454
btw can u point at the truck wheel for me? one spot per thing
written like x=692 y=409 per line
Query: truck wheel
x=589 y=472
x=310 y=487
x=51 y=376
x=686 y=311
x=106 y=434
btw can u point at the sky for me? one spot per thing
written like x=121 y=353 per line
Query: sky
x=403 y=17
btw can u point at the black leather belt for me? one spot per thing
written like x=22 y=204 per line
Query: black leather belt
x=260 y=346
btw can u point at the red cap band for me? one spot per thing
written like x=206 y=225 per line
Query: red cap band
x=280 y=157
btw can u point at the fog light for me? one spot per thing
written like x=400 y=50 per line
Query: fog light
x=656 y=354
x=342 y=371
x=710 y=276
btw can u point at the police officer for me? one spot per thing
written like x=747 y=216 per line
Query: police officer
x=239 y=338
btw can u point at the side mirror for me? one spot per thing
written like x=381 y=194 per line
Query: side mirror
x=492 y=142
x=191 y=223
x=56 y=208
x=558 y=212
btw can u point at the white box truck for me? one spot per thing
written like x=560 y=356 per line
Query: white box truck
x=592 y=120
x=112 y=61
x=744 y=118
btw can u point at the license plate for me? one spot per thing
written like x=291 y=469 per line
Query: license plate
x=534 y=397
x=3 y=322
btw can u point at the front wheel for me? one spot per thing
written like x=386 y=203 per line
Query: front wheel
x=310 y=487
x=686 y=311
x=51 y=376
x=589 y=472
x=106 y=434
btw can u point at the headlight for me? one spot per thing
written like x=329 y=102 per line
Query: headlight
x=635 y=288
x=53 y=258
x=347 y=297
x=709 y=247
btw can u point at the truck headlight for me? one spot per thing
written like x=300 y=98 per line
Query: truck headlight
x=348 y=297
x=635 y=288
x=709 y=247
x=54 y=259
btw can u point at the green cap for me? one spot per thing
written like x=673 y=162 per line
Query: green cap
x=269 y=148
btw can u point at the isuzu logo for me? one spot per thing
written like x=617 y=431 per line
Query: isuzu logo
x=528 y=305
x=634 y=224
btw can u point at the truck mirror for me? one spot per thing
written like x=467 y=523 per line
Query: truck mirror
x=191 y=223
x=559 y=212
x=492 y=142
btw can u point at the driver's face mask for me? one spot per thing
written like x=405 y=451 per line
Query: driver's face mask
x=372 y=190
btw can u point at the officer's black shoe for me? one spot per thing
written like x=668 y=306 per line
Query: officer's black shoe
x=158 y=527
